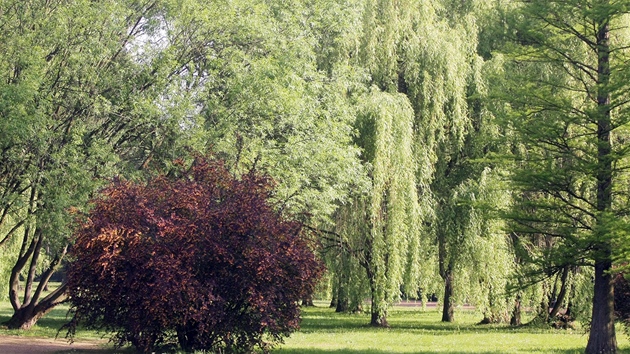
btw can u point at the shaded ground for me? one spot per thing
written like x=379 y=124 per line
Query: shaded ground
x=29 y=345
x=429 y=304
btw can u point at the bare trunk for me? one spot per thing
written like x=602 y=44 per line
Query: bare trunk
x=561 y=294
x=28 y=312
x=343 y=304
x=343 y=296
x=515 y=320
x=335 y=290
x=448 y=313
x=378 y=312
x=378 y=319
x=307 y=301
x=543 y=309
x=378 y=308
x=25 y=317
x=602 y=338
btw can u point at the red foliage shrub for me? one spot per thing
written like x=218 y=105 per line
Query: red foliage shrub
x=201 y=259
x=622 y=300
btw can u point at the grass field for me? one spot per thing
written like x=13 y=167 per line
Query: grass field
x=413 y=331
x=47 y=327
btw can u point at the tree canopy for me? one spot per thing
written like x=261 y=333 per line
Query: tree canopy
x=474 y=149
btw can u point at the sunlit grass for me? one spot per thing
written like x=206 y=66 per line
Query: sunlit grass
x=417 y=331
x=47 y=327
x=412 y=331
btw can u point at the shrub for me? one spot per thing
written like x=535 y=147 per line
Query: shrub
x=201 y=259
x=622 y=300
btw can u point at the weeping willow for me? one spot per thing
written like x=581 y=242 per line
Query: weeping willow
x=386 y=135
x=426 y=51
x=477 y=249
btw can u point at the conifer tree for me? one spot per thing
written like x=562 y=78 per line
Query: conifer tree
x=569 y=105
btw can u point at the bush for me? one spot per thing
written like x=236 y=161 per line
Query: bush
x=622 y=300
x=201 y=259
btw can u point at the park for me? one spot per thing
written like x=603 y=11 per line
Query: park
x=413 y=331
x=315 y=176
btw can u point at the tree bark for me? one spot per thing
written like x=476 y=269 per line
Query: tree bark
x=378 y=313
x=378 y=319
x=602 y=338
x=343 y=295
x=448 y=309
x=343 y=304
x=307 y=301
x=561 y=294
x=25 y=317
x=26 y=314
x=335 y=290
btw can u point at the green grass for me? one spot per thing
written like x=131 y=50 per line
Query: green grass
x=413 y=331
x=46 y=327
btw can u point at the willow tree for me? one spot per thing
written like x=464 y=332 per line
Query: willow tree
x=428 y=52
x=345 y=252
x=570 y=108
x=392 y=246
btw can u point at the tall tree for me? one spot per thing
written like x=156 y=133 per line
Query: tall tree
x=428 y=52
x=393 y=212
x=569 y=106
x=91 y=97
x=275 y=97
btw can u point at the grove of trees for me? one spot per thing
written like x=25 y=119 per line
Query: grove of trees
x=476 y=150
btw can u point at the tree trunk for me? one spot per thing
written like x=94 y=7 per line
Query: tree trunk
x=28 y=312
x=571 y=296
x=333 y=301
x=561 y=294
x=378 y=319
x=378 y=311
x=343 y=296
x=543 y=308
x=515 y=320
x=343 y=304
x=307 y=301
x=26 y=316
x=602 y=339
x=448 y=313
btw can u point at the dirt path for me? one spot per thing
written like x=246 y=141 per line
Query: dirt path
x=28 y=345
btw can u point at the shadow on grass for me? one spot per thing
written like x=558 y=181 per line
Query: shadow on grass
x=53 y=320
x=317 y=320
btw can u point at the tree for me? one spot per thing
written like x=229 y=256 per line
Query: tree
x=197 y=254
x=275 y=98
x=427 y=51
x=280 y=95
x=569 y=107
x=392 y=238
x=78 y=107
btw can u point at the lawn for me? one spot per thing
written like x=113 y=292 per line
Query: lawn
x=417 y=331
x=413 y=331
x=46 y=327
